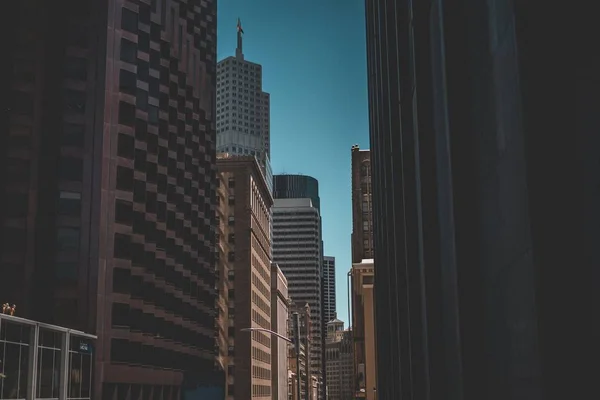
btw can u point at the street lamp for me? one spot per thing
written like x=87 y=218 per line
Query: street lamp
x=296 y=344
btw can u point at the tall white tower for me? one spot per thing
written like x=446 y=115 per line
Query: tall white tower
x=243 y=109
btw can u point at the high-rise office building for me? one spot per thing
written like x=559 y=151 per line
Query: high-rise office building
x=329 y=288
x=280 y=303
x=297 y=251
x=494 y=206
x=243 y=109
x=301 y=187
x=107 y=175
x=362 y=207
x=246 y=212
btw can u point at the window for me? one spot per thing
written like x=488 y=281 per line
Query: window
x=141 y=99
x=126 y=114
x=67 y=239
x=129 y=20
x=125 y=146
x=231 y=238
x=128 y=51
x=76 y=68
x=124 y=178
x=124 y=212
x=231 y=220
x=122 y=246
x=71 y=169
x=231 y=200
x=127 y=82
x=231 y=180
x=231 y=256
x=66 y=271
x=73 y=135
x=152 y=115
x=69 y=203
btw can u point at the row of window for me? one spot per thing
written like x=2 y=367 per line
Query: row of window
x=260 y=355
x=135 y=353
x=123 y=316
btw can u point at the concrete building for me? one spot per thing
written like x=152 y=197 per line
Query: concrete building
x=42 y=361
x=339 y=362
x=243 y=109
x=362 y=206
x=494 y=206
x=363 y=329
x=249 y=374
x=107 y=175
x=297 y=251
x=362 y=275
x=280 y=303
x=329 y=305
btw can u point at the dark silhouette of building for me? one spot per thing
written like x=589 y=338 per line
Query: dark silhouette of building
x=483 y=124
x=107 y=179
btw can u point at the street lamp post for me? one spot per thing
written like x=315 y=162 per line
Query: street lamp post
x=295 y=342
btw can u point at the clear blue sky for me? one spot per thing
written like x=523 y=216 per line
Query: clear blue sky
x=314 y=66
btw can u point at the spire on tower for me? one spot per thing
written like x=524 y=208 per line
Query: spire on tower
x=240 y=31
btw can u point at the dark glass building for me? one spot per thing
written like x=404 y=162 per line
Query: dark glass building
x=484 y=150
x=107 y=181
x=297 y=187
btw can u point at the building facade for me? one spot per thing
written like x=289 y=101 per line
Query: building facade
x=249 y=264
x=297 y=251
x=280 y=303
x=362 y=205
x=225 y=271
x=305 y=187
x=107 y=175
x=339 y=351
x=306 y=341
x=474 y=178
x=329 y=305
x=363 y=329
x=243 y=109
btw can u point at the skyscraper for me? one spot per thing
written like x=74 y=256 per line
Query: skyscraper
x=297 y=251
x=243 y=109
x=489 y=201
x=329 y=288
x=107 y=175
x=245 y=211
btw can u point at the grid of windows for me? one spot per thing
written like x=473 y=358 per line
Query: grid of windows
x=165 y=180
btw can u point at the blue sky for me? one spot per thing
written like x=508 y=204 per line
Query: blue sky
x=314 y=66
